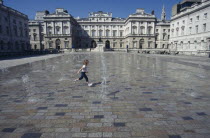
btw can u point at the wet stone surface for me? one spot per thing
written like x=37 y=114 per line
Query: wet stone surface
x=133 y=95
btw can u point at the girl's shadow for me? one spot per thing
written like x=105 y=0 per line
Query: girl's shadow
x=98 y=83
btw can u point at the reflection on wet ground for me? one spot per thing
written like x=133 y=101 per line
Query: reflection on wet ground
x=132 y=96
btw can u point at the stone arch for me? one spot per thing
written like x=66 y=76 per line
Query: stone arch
x=107 y=45
x=141 y=43
x=93 y=44
x=58 y=44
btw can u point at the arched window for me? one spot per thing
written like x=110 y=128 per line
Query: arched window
x=35 y=47
x=141 y=43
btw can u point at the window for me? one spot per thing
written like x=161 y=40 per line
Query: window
x=114 y=44
x=183 y=21
x=7 y=29
x=107 y=33
x=121 y=45
x=2 y=45
x=100 y=33
x=49 y=30
x=26 y=32
x=182 y=31
x=197 y=18
x=190 y=30
x=35 y=37
x=134 y=30
x=41 y=37
x=14 y=21
x=149 y=30
x=205 y=15
x=50 y=45
x=57 y=30
x=114 y=33
x=65 y=29
x=204 y=27
x=34 y=30
x=191 y=20
x=134 y=44
x=142 y=30
x=164 y=36
x=21 y=31
x=35 y=47
x=66 y=43
x=15 y=30
x=6 y=19
x=196 y=29
x=121 y=33
x=164 y=30
x=93 y=33
x=156 y=30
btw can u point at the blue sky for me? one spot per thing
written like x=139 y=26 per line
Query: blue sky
x=81 y=8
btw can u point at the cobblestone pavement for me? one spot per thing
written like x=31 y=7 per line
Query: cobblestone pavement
x=132 y=96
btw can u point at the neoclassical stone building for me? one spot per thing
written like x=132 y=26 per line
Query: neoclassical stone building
x=190 y=27
x=60 y=30
x=13 y=30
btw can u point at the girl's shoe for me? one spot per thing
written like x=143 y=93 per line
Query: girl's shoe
x=90 y=84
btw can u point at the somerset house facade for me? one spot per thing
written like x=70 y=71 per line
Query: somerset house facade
x=190 y=27
x=60 y=30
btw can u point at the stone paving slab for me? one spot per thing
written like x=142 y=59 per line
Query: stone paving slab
x=132 y=96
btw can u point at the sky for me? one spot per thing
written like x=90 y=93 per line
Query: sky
x=81 y=8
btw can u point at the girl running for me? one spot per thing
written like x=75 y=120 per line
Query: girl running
x=83 y=71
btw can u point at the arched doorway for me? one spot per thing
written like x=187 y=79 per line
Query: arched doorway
x=141 y=43
x=93 y=44
x=107 y=44
x=58 y=44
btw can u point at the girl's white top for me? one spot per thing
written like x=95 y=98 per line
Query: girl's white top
x=84 y=68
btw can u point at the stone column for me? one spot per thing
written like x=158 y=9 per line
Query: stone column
x=53 y=27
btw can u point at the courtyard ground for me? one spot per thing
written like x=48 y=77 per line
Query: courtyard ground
x=133 y=95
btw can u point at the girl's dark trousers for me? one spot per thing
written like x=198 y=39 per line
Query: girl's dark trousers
x=83 y=74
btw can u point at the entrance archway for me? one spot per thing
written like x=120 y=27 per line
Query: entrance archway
x=58 y=44
x=107 y=44
x=141 y=43
x=93 y=44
